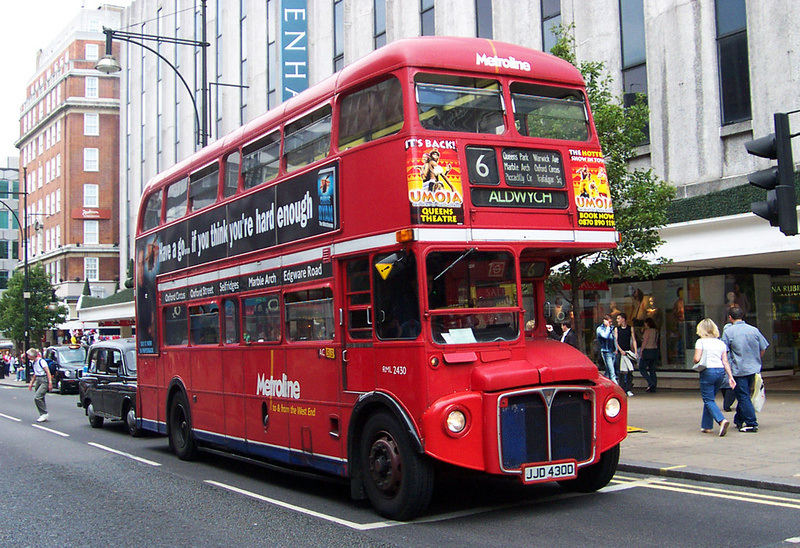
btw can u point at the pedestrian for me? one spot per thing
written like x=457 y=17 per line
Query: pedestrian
x=728 y=395
x=43 y=382
x=12 y=365
x=625 y=342
x=22 y=364
x=647 y=362
x=607 y=346
x=713 y=376
x=568 y=336
x=747 y=346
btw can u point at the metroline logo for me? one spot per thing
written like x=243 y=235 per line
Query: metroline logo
x=504 y=62
x=278 y=388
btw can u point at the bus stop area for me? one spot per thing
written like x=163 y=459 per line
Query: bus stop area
x=664 y=439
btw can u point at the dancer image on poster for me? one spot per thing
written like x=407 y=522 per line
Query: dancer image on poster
x=434 y=176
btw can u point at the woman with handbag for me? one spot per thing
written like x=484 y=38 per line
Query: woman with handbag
x=711 y=360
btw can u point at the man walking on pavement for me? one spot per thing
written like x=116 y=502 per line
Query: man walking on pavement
x=43 y=382
x=747 y=346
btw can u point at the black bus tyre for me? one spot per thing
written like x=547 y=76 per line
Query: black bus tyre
x=180 y=429
x=398 y=480
x=94 y=419
x=596 y=476
x=130 y=421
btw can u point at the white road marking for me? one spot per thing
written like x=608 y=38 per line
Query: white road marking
x=40 y=427
x=389 y=523
x=628 y=483
x=9 y=417
x=306 y=511
x=123 y=454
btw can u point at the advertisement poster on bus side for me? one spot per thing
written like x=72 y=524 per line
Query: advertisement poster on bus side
x=146 y=270
x=592 y=194
x=435 y=191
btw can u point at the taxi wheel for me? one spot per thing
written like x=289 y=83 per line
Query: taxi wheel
x=130 y=422
x=95 y=420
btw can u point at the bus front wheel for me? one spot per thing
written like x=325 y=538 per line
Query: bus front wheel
x=398 y=480
x=180 y=429
x=597 y=475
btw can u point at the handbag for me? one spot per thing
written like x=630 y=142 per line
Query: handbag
x=759 y=395
x=701 y=364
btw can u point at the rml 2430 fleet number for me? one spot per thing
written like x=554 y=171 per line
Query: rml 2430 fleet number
x=394 y=369
x=549 y=472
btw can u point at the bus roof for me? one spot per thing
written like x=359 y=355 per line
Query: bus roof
x=451 y=53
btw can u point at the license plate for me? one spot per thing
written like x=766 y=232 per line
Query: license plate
x=549 y=472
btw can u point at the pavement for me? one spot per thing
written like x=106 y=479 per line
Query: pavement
x=665 y=440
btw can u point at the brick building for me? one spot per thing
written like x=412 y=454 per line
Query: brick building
x=69 y=161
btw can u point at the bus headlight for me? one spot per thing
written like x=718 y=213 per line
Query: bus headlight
x=613 y=408
x=456 y=421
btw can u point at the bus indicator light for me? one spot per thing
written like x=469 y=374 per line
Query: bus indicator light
x=404 y=236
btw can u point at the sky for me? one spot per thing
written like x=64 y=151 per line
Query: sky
x=27 y=26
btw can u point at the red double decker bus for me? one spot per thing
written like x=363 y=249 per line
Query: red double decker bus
x=353 y=282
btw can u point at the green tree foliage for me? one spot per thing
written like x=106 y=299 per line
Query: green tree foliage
x=640 y=198
x=42 y=313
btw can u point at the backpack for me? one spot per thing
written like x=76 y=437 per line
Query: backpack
x=51 y=365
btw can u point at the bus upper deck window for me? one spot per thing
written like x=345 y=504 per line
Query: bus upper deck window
x=308 y=139
x=203 y=187
x=550 y=113
x=176 y=200
x=450 y=103
x=261 y=160
x=152 y=211
x=371 y=113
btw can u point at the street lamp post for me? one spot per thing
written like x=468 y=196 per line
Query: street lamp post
x=108 y=65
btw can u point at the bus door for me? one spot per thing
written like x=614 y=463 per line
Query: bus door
x=310 y=393
x=206 y=368
x=357 y=352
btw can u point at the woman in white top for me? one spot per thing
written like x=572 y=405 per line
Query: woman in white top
x=712 y=377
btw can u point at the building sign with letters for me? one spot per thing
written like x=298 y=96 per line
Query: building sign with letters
x=294 y=47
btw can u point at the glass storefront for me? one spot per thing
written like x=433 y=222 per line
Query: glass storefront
x=677 y=304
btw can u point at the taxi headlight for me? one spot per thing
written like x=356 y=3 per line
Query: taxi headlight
x=456 y=421
x=613 y=408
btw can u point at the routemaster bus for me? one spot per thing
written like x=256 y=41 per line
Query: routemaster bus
x=353 y=282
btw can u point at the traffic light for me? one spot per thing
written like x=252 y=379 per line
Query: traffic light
x=780 y=208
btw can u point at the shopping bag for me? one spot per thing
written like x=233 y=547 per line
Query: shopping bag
x=759 y=395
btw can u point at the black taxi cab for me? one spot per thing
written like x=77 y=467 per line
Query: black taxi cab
x=107 y=390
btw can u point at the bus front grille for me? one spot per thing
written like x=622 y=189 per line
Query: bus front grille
x=544 y=425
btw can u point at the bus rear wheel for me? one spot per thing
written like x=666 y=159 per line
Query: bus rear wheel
x=596 y=476
x=181 y=438
x=398 y=480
